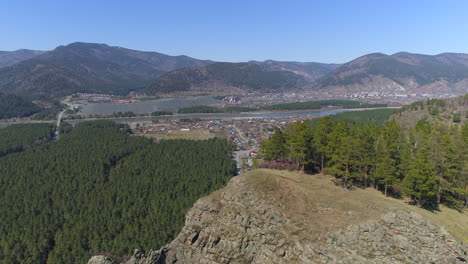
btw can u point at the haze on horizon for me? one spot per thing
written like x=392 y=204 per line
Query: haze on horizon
x=326 y=31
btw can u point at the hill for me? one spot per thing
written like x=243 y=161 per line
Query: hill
x=270 y=216
x=447 y=111
x=400 y=73
x=88 y=67
x=268 y=76
x=310 y=70
x=8 y=58
x=12 y=106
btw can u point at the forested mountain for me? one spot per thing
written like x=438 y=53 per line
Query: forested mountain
x=15 y=106
x=310 y=70
x=445 y=111
x=88 y=67
x=8 y=58
x=400 y=73
x=95 y=189
x=226 y=77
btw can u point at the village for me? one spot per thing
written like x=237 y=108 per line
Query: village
x=245 y=134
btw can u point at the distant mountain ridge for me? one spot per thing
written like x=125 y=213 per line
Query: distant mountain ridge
x=8 y=58
x=310 y=70
x=89 y=67
x=401 y=72
x=252 y=76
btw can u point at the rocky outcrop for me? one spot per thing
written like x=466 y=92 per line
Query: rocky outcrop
x=240 y=224
x=100 y=260
x=398 y=237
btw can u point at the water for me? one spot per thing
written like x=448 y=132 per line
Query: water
x=309 y=113
x=146 y=107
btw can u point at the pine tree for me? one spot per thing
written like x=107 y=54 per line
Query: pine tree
x=386 y=171
x=321 y=138
x=299 y=139
x=420 y=183
x=366 y=137
x=278 y=145
x=343 y=160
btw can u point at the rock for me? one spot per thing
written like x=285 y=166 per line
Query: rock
x=100 y=260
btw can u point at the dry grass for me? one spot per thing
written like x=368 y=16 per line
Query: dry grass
x=317 y=205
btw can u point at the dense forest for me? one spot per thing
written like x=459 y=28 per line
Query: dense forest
x=98 y=189
x=16 y=138
x=377 y=116
x=49 y=113
x=428 y=163
x=15 y=106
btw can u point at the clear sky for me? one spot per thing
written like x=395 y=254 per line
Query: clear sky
x=238 y=30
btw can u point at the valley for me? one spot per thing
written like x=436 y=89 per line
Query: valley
x=234 y=132
x=287 y=210
x=116 y=74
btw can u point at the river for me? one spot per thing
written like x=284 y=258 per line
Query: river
x=283 y=114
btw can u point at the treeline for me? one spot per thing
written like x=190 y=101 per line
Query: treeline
x=49 y=113
x=454 y=109
x=213 y=109
x=309 y=105
x=14 y=106
x=16 y=138
x=119 y=115
x=160 y=113
x=428 y=163
x=377 y=116
x=97 y=189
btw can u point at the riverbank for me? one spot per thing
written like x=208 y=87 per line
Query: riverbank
x=313 y=113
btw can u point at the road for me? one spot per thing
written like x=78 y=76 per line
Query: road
x=59 y=119
x=242 y=153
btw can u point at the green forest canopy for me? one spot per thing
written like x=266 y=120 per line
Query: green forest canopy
x=19 y=137
x=14 y=106
x=97 y=189
x=378 y=116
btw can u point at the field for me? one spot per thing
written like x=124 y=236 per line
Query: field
x=315 y=203
x=194 y=135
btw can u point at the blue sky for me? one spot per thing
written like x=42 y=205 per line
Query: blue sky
x=230 y=30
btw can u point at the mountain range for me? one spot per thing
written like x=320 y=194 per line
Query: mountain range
x=99 y=68
x=400 y=73
x=8 y=58
x=88 y=67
